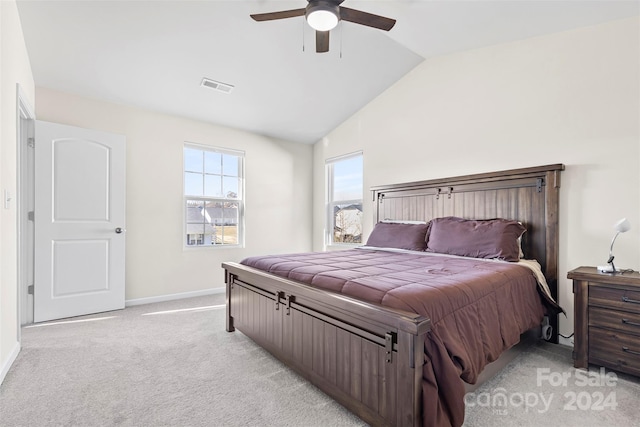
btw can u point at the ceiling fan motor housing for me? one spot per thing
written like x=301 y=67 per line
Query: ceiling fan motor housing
x=322 y=6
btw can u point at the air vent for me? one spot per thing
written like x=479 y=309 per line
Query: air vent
x=219 y=86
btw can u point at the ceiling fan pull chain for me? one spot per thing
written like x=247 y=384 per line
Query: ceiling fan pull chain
x=341 y=39
x=303 y=35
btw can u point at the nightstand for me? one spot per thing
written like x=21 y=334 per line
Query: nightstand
x=607 y=319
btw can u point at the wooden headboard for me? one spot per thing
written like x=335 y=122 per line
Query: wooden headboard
x=528 y=195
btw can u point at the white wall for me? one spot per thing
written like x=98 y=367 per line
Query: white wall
x=571 y=98
x=278 y=202
x=14 y=69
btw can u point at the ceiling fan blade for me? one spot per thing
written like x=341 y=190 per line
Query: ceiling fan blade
x=270 y=16
x=322 y=41
x=368 y=19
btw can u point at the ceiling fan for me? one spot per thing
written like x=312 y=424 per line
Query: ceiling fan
x=324 y=15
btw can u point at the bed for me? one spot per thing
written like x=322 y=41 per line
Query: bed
x=347 y=322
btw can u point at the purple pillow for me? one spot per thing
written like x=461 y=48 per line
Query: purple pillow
x=399 y=236
x=490 y=238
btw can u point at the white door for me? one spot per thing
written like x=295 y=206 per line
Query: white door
x=79 y=221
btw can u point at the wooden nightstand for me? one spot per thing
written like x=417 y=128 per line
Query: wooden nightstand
x=607 y=319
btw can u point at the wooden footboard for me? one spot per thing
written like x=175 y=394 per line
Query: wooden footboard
x=367 y=357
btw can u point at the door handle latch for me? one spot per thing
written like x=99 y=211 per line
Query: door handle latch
x=120 y=230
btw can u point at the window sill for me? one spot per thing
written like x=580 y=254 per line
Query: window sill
x=216 y=247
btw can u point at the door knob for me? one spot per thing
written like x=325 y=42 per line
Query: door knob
x=120 y=230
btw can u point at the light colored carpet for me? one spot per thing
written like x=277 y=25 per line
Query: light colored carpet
x=173 y=364
x=542 y=388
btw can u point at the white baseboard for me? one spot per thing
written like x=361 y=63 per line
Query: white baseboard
x=171 y=297
x=7 y=365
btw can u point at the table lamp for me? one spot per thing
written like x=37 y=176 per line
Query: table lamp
x=621 y=226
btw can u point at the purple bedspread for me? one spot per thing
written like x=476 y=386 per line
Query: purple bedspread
x=477 y=308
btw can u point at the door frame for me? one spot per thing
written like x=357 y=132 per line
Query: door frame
x=25 y=128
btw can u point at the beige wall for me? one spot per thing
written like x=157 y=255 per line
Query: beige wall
x=569 y=98
x=14 y=69
x=278 y=202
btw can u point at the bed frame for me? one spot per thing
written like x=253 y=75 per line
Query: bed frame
x=367 y=357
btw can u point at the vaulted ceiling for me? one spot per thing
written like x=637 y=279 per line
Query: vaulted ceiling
x=154 y=54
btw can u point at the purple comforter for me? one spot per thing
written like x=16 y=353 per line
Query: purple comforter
x=478 y=308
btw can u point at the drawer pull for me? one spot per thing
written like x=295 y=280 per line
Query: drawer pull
x=627 y=299
x=628 y=322
x=626 y=350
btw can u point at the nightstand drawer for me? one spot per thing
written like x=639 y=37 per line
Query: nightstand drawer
x=621 y=299
x=613 y=319
x=615 y=349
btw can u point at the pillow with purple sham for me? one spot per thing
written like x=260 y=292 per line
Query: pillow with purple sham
x=490 y=238
x=399 y=236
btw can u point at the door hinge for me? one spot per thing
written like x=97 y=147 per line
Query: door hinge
x=31 y=216
x=30 y=290
x=31 y=142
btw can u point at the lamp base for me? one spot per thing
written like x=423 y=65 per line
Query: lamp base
x=606 y=269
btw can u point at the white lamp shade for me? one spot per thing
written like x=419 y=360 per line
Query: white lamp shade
x=622 y=226
x=322 y=20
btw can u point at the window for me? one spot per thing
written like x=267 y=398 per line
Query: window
x=213 y=196
x=344 y=199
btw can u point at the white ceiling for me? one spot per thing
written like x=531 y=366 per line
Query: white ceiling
x=154 y=54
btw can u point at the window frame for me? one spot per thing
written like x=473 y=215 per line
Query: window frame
x=240 y=200
x=330 y=202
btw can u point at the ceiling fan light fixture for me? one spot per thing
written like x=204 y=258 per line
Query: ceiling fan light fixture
x=322 y=15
